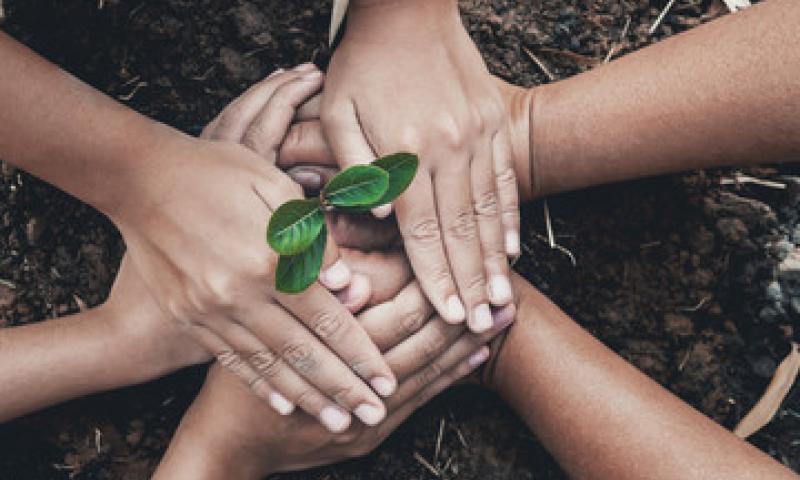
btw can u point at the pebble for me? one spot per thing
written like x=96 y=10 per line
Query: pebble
x=783 y=248
x=795 y=305
x=774 y=291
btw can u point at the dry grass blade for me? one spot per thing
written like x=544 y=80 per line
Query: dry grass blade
x=2 y=12
x=422 y=461
x=618 y=46
x=539 y=64
x=740 y=179
x=661 y=17
x=337 y=15
x=769 y=403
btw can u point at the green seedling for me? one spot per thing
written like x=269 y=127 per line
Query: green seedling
x=297 y=230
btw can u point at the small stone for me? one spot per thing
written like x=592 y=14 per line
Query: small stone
x=795 y=305
x=774 y=291
x=34 y=229
x=783 y=248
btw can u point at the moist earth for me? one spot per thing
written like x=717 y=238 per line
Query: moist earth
x=678 y=274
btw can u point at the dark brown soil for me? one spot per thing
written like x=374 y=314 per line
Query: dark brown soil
x=672 y=273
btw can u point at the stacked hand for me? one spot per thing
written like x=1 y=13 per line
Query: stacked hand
x=198 y=242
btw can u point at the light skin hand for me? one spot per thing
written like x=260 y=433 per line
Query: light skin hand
x=429 y=93
x=199 y=245
x=245 y=440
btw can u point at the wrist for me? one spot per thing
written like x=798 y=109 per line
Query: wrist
x=373 y=20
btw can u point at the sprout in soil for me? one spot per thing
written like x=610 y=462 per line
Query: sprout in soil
x=297 y=228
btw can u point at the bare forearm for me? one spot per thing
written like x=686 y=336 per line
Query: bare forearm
x=65 y=132
x=50 y=362
x=725 y=93
x=601 y=417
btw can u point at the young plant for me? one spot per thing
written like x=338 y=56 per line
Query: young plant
x=297 y=230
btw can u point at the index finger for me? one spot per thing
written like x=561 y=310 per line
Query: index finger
x=336 y=327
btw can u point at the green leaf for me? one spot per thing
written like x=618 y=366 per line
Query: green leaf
x=296 y=273
x=401 y=168
x=359 y=185
x=295 y=225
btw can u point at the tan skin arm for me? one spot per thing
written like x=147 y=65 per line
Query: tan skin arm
x=601 y=417
x=724 y=93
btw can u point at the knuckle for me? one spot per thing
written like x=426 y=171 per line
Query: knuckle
x=220 y=292
x=425 y=230
x=492 y=113
x=233 y=362
x=429 y=374
x=261 y=264
x=411 y=321
x=450 y=132
x=300 y=355
x=486 y=204
x=327 y=325
x=463 y=227
x=476 y=284
x=507 y=178
x=346 y=396
x=433 y=346
x=410 y=139
x=266 y=363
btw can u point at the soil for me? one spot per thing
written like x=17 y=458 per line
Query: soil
x=677 y=274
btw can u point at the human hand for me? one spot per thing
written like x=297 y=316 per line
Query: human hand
x=245 y=440
x=195 y=233
x=407 y=77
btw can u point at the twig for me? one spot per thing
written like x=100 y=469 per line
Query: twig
x=685 y=359
x=548 y=225
x=100 y=4
x=697 y=307
x=439 y=441
x=461 y=437
x=739 y=179
x=539 y=64
x=558 y=247
x=427 y=464
x=129 y=96
x=661 y=17
x=615 y=48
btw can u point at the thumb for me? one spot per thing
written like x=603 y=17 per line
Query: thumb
x=334 y=274
x=348 y=141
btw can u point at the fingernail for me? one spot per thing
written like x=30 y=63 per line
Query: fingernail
x=455 y=309
x=308 y=179
x=384 y=386
x=383 y=211
x=280 y=403
x=305 y=67
x=335 y=419
x=512 y=243
x=337 y=276
x=500 y=290
x=369 y=414
x=476 y=359
x=481 y=318
x=311 y=76
x=504 y=316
